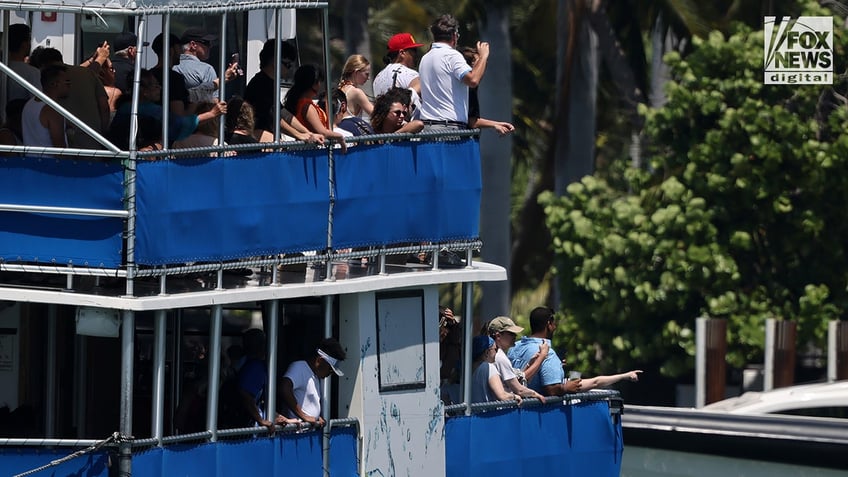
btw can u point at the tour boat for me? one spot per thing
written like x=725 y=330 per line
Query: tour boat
x=126 y=276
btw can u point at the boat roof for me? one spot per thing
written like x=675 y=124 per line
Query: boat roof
x=140 y=7
x=249 y=290
x=804 y=396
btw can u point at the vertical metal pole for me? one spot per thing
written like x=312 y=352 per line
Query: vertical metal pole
x=468 y=303
x=831 y=350
x=50 y=378
x=127 y=373
x=222 y=81
x=271 y=335
x=768 y=377
x=166 y=78
x=176 y=365
x=278 y=59
x=325 y=398
x=129 y=168
x=701 y=361
x=160 y=330
x=214 y=353
x=4 y=80
x=325 y=30
x=325 y=21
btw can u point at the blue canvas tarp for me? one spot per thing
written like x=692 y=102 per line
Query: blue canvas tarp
x=575 y=440
x=63 y=239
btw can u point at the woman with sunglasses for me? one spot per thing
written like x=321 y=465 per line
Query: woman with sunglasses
x=486 y=383
x=391 y=113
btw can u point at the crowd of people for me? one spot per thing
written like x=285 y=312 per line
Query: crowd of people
x=507 y=369
x=441 y=93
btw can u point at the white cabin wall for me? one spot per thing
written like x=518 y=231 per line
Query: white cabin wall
x=59 y=33
x=402 y=431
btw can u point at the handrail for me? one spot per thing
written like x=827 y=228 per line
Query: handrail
x=63 y=210
x=195 y=436
x=455 y=410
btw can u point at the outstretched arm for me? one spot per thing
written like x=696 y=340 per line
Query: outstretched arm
x=604 y=381
x=503 y=128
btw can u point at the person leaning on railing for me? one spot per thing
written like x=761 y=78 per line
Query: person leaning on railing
x=261 y=90
x=391 y=113
x=308 y=82
x=504 y=331
x=486 y=383
x=550 y=380
x=150 y=117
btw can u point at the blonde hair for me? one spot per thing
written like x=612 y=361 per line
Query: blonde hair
x=353 y=64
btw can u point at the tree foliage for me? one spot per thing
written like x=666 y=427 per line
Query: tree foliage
x=740 y=215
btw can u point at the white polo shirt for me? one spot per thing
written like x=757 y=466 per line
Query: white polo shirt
x=443 y=94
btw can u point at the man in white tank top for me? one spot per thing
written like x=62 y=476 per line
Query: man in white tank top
x=42 y=125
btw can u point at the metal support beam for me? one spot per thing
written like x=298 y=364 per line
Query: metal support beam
x=50 y=377
x=271 y=335
x=126 y=419
x=160 y=330
x=214 y=353
x=468 y=303
x=325 y=398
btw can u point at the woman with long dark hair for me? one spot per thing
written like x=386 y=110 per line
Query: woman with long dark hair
x=308 y=82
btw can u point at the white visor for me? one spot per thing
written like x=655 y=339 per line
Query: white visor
x=331 y=361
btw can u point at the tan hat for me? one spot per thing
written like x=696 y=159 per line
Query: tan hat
x=504 y=323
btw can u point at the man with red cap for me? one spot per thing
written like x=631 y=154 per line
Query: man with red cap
x=400 y=61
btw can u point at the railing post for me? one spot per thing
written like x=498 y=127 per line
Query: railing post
x=465 y=379
x=160 y=330
x=127 y=370
x=214 y=354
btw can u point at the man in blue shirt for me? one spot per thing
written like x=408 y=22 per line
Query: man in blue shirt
x=549 y=381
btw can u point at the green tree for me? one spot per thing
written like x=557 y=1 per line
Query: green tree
x=739 y=216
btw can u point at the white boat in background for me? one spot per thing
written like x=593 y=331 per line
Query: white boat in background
x=124 y=280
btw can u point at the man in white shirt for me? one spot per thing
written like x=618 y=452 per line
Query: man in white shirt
x=301 y=385
x=446 y=77
x=399 y=71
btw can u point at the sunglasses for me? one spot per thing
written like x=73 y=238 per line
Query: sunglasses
x=399 y=113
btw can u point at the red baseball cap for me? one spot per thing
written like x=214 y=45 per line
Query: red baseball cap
x=403 y=41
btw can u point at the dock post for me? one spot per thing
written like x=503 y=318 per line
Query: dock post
x=837 y=350
x=710 y=362
x=780 y=354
